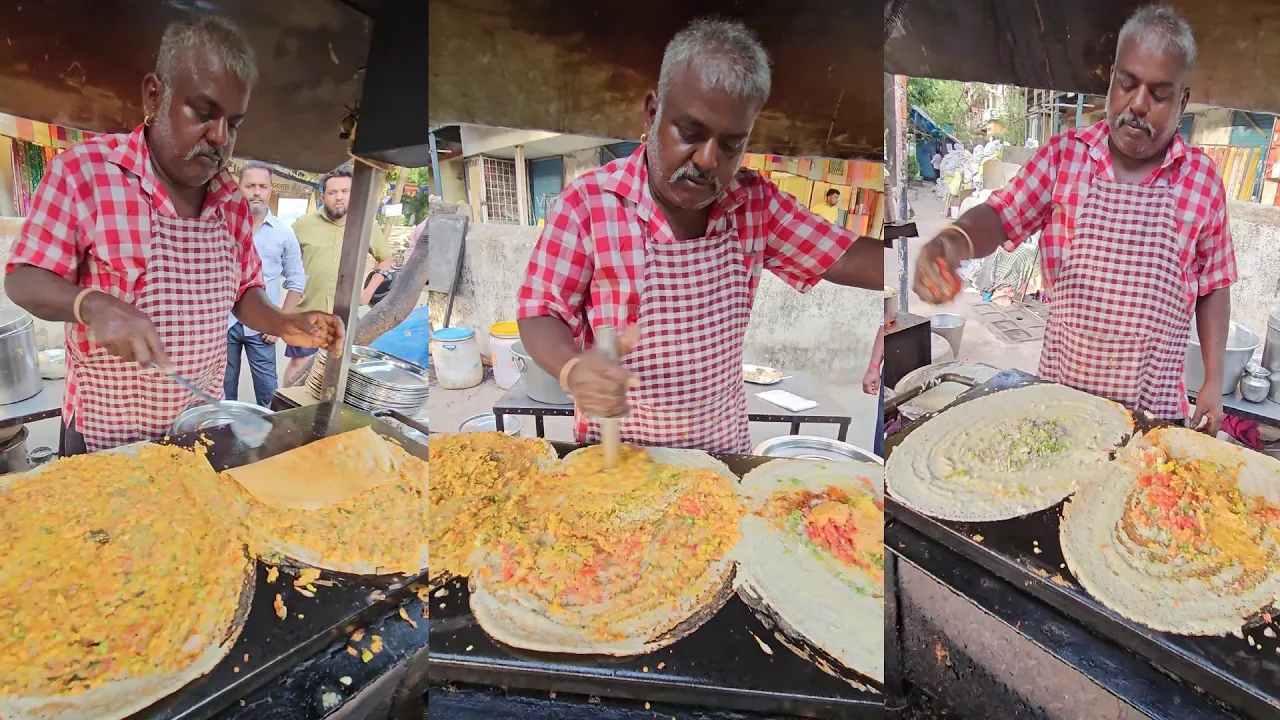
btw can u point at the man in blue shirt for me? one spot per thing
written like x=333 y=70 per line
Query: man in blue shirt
x=281 y=259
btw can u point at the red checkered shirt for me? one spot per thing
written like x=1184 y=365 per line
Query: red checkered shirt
x=1049 y=191
x=588 y=265
x=90 y=224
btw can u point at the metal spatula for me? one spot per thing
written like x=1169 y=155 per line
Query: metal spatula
x=610 y=433
x=248 y=429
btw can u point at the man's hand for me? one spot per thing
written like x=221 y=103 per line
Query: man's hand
x=599 y=385
x=871 y=381
x=313 y=329
x=1208 y=409
x=268 y=339
x=123 y=330
x=937 y=278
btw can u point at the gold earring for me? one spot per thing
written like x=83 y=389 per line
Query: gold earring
x=146 y=120
x=644 y=137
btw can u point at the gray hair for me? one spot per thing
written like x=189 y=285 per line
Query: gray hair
x=726 y=56
x=1160 y=28
x=257 y=165
x=213 y=35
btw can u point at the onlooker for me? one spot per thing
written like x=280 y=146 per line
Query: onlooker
x=320 y=236
x=281 y=261
x=827 y=209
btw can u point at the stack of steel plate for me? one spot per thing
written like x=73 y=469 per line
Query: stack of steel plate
x=377 y=381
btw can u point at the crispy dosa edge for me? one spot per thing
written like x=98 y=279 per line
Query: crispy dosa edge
x=899 y=476
x=772 y=605
x=499 y=620
x=304 y=478
x=1083 y=528
x=313 y=555
x=120 y=699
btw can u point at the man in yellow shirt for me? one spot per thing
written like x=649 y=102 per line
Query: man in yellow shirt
x=827 y=209
x=320 y=237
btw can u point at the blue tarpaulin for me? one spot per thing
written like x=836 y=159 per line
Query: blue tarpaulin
x=924 y=126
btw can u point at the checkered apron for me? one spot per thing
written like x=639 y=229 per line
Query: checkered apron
x=190 y=285
x=694 y=309
x=1120 y=314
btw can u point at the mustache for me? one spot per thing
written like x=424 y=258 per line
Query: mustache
x=203 y=148
x=1136 y=123
x=694 y=173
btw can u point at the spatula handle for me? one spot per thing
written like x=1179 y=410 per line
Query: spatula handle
x=610 y=433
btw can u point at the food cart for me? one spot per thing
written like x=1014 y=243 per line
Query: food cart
x=825 y=101
x=79 y=64
x=985 y=616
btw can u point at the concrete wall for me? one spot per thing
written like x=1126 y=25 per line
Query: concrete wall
x=828 y=332
x=577 y=163
x=48 y=335
x=1212 y=127
x=1256 y=230
x=477 y=139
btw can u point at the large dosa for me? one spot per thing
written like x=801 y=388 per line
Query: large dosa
x=119 y=584
x=1005 y=455
x=621 y=563
x=1181 y=534
x=820 y=567
x=327 y=471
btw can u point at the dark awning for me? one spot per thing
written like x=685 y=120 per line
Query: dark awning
x=584 y=66
x=1068 y=45
x=80 y=63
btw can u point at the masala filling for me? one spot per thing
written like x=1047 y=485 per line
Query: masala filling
x=1191 y=517
x=113 y=569
x=847 y=527
x=471 y=489
x=596 y=547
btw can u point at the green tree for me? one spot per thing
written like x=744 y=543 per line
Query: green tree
x=943 y=100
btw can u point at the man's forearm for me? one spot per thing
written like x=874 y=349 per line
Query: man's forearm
x=984 y=228
x=44 y=294
x=1213 y=322
x=256 y=312
x=549 y=342
x=877 y=350
x=291 y=300
x=861 y=266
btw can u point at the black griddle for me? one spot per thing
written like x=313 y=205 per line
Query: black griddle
x=274 y=646
x=1247 y=678
x=719 y=666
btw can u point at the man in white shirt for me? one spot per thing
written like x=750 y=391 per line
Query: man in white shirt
x=281 y=260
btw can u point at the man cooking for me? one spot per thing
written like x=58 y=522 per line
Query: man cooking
x=1135 y=237
x=142 y=244
x=667 y=246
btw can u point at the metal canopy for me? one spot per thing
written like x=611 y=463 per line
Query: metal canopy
x=80 y=63
x=583 y=67
x=1068 y=45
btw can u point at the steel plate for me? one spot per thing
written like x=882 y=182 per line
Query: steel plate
x=809 y=447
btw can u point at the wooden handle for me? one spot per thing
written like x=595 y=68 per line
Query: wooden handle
x=610 y=433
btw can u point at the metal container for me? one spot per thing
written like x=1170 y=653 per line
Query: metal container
x=809 y=447
x=41 y=455
x=951 y=328
x=1241 y=344
x=1256 y=383
x=13 y=453
x=1271 y=348
x=486 y=422
x=203 y=417
x=537 y=382
x=890 y=304
x=19 y=359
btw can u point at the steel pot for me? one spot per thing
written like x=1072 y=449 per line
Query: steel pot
x=809 y=447
x=538 y=383
x=13 y=453
x=19 y=358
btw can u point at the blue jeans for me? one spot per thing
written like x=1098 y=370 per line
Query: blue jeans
x=262 y=363
x=879 y=438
